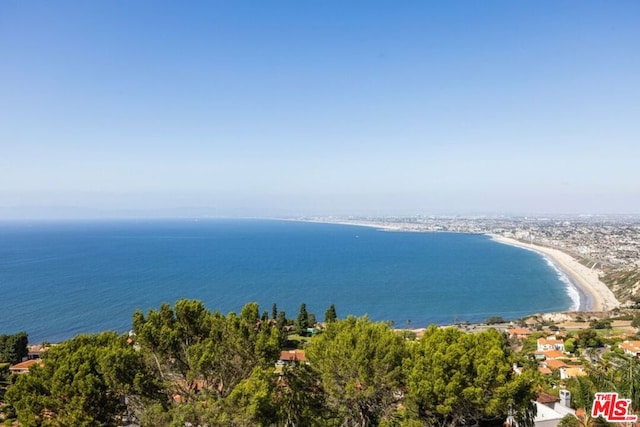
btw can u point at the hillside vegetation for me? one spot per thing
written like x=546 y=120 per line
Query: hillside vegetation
x=185 y=365
x=625 y=284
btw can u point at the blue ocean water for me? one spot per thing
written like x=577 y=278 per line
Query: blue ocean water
x=58 y=279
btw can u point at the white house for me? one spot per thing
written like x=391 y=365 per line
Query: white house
x=550 y=343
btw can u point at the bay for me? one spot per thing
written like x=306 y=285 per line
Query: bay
x=58 y=279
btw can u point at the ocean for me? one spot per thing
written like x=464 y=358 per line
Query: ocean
x=59 y=279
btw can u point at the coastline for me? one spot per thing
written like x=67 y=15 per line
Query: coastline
x=601 y=297
x=377 y=226
x=594 y=295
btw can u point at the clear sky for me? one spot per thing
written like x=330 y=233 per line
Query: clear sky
x=165 y=108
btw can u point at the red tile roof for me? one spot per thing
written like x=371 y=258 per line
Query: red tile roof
x=555 y=364
x=24 y=366
x=544 y=370
x=630 y=346
x=293 y=355
x=553 y=354
x=519 y=331
x=550 y=341
x=575 y=371
x=547 y=398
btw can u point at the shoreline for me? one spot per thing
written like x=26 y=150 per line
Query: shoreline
x=594 y=296
x=599 y=296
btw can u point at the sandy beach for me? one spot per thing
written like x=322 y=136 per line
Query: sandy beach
x=602 y=299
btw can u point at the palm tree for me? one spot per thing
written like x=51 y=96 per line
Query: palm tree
x=622 y=375
x=583 y=391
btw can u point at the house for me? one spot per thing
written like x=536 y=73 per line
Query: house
x=552 y=354
x=539 y=355
x=550 y=409
x=555 y=364
x=292 y=356
x=550 y=343
x=519 y=333
x=631 y=347
x=23 y=367
x=547 y=399
x=548 y=416
x=35 y=351
x=571 y=372
x=544 y=370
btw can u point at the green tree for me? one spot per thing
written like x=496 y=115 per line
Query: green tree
x=300 y=398
x=261 y=399
x=250 y=403
x=302 y=322
x=281 y=321
x=199 y=349
x=583 y=389
x=360 y=367
x=588 y=338
x=456 y=378
x=569 y=420
x=312 y=320
x=84 y=382
x=330 y=315
x=600 y=324
x=570 y=345
x=13 y=347
x=167 y=336
x=493 y=320
x=620 y=373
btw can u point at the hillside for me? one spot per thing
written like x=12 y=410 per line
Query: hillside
x=625 y=284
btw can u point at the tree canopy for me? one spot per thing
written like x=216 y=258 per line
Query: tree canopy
x=455 y=378
x=360 y=366
x=330 y=315
x=187 y=365
x=13 y=347
x=302 y=322
x=204 y=349
x=83 y=382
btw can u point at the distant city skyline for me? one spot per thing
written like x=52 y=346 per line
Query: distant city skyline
x=159 y=109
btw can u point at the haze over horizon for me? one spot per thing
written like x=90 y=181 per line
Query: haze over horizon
x=157 y=108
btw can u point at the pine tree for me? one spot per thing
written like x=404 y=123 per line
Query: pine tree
x=330 y=315
x=302 y=323
x=282 y=320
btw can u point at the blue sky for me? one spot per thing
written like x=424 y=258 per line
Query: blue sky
x=262 y=108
